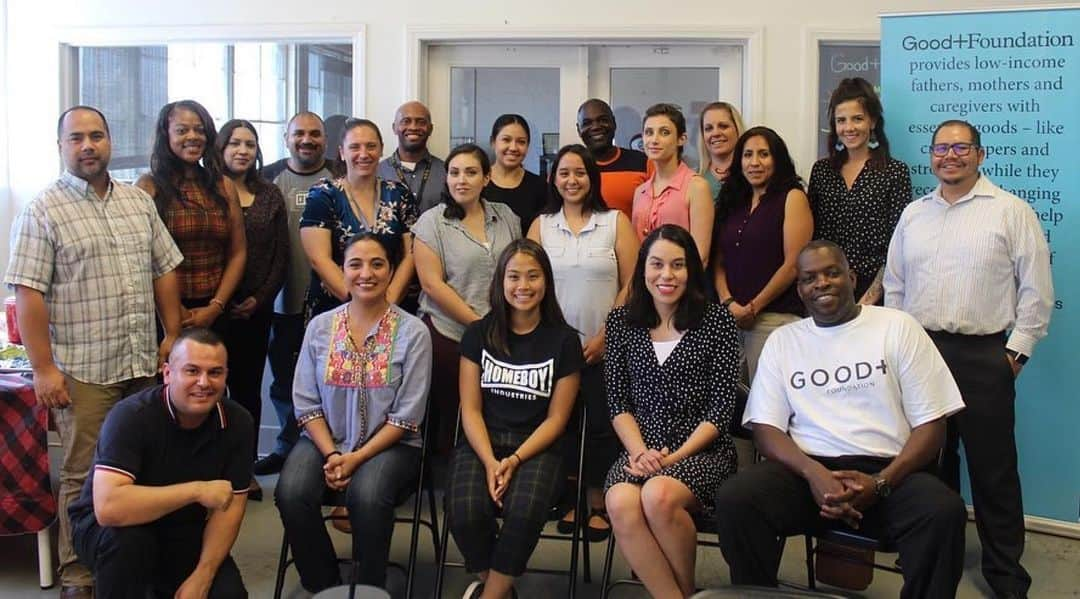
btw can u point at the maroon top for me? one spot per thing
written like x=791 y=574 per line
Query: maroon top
x=753 y=247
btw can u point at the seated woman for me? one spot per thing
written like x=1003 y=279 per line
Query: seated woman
x=360 y=201
x=671 y=367
x=519 y=379
x=360 y=391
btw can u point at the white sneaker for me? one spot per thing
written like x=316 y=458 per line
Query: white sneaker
x=474 y=590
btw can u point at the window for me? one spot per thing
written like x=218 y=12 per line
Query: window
x=243 y=80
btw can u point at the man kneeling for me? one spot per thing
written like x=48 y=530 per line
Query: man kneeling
x=849 y=407
x=165 y=498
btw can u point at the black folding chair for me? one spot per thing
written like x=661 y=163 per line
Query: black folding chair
x=576 y=538
x=333 y=499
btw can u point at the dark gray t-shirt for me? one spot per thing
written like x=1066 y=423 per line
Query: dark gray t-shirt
x=294 y=186
x=426 y=180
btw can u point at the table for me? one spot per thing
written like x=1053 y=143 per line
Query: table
x=27 y=505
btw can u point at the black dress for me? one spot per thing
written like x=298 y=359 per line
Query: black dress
x=695 y=384
x=860 y=220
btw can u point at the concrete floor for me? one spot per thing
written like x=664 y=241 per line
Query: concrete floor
x=1054 y=564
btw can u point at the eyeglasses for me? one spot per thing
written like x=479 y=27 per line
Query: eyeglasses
x=960 y=149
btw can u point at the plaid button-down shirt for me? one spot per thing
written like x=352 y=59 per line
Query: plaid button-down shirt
x=95 y=260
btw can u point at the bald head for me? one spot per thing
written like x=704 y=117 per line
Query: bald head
x=835 y=252
x=412 y=126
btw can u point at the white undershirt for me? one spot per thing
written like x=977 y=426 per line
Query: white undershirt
x=663 y=349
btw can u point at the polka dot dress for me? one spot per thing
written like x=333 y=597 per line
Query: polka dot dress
x=860 y=220
x=695 y=384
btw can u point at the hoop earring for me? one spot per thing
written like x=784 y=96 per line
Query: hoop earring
x=873 y=144
x=839 y=147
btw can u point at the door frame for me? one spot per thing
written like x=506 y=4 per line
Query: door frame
x=750 y=38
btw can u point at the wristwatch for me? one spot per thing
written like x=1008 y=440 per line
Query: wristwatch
x=881 y=486
x=1017 y=357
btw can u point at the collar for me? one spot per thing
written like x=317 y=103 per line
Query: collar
x=558 y=221
x=983 y=188
x=425 y=158
x=618 y=153
x=82 y=185
x=682 y=175
x=171 y=411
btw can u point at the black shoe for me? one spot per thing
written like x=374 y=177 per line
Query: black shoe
x=271 y=464
x=255 y=492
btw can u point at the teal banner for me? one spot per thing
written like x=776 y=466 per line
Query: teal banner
x=1015 y=75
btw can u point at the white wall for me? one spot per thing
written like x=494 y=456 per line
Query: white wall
x=36 y=27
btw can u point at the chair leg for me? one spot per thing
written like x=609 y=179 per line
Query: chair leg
x=811 y=578
x=414 y=535
x=434 y=513
x=279 y=583
x=609 y=557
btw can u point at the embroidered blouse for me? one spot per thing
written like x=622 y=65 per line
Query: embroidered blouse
x=359 y=389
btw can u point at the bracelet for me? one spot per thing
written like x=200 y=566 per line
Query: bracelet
x=326 y=458
x=216 y=302
x=753 y=310
x=729 y=301
x=515 y=455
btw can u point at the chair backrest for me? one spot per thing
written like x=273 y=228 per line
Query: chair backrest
x=736 y=429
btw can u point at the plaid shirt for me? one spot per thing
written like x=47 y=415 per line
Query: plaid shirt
x=200 y=228
x=95 y=261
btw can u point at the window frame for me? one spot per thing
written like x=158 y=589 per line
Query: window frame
x=71 y=39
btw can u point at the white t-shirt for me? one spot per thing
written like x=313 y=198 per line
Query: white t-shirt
x=852 y=389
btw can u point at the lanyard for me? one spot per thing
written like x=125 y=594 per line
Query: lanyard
x=396 y=163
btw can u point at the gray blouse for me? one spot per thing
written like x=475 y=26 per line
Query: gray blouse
x=357 y=390
x=468 y=264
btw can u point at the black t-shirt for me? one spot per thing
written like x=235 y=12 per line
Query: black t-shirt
x=141 y=439
x=517 y=388
x=526 y=200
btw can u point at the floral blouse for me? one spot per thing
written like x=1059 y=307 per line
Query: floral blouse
x=328 y=207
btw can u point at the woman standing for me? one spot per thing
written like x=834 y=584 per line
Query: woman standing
x=764 y=222
x=361 y=386
x=519 y=380
x=200 y=207
x=858 y=192
x=360 y=201
x=456 y=247
x=592 y=251
x=511 y=184
x=671 y=369
x=721 y=125
x=266 y=230
x=674 y=194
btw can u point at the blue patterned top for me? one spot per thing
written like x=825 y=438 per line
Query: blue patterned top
x=328 y=207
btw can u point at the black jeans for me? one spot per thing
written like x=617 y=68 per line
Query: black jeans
x=762 y=505
x=130 y=562
x=247 y=342
x=986 y=382
x=286 y=335
x=375 y=489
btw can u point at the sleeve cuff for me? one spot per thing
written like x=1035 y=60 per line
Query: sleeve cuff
x=307 y=417
x=1022 y=342
x=408 y=425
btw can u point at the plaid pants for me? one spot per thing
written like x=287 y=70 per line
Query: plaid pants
x=533 y=489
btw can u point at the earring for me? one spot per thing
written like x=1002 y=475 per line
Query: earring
x=873 y=143
x=839 y=147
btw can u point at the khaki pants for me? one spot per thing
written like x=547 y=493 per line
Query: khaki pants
x=753 y=339
x=79 y=425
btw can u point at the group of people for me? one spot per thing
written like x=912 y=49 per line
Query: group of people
x=396 y=297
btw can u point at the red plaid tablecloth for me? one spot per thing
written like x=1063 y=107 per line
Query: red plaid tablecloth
x=26 y=500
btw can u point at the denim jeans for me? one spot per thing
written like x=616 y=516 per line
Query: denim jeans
x=376 y=488
x=286 y=335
